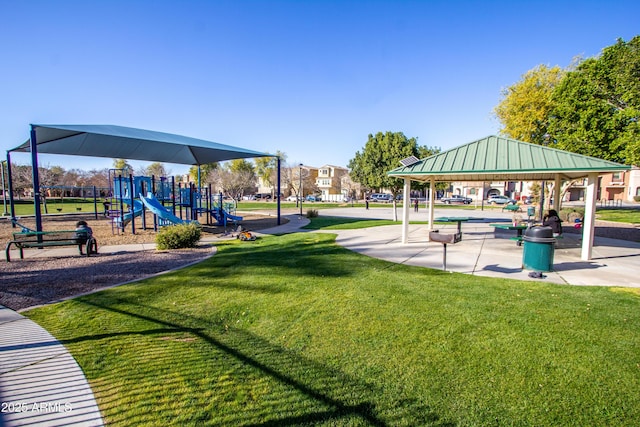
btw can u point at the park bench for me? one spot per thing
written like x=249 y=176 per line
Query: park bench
x=43 y=239
x=511 y=208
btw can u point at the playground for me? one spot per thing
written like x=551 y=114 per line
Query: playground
x=66 y=275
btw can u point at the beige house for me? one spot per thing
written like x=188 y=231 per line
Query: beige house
x=329 y=182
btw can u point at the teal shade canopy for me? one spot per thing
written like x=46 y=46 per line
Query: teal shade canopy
x=120 y=142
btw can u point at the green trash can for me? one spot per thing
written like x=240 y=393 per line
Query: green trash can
x=538 y=251
x=531 y=211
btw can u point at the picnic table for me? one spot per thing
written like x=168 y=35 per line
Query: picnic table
x=518 y=227
x=458 y=219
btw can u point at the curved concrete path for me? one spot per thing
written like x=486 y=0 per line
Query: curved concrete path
x=40 y=382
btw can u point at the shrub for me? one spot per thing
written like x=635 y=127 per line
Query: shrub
x=571 y=214
x=178 y=236
x=312 y=213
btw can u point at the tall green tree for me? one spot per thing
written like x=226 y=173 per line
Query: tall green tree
x=382 y=153
x=525 y=107
x=266 y=169
x=206 y=171
x=240 y=165
x=597 y=106
x=157 y=169
x=124 y=165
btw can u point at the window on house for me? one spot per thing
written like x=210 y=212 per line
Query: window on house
x=617 y=176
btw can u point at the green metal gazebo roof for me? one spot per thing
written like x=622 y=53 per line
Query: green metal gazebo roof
x=495 y=158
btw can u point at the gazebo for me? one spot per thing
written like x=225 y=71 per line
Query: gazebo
x=123 y=143
x=495 y=158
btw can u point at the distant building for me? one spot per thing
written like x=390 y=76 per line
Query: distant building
x=329 y=183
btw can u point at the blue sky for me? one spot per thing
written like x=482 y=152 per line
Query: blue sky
x=309 y=78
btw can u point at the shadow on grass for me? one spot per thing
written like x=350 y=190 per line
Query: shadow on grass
x=253 y=381
x=311 y=255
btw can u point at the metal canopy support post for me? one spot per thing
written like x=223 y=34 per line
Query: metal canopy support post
x=36 y=178
x=406 y=197
x=279 y=189
x=301 y=190
x=588 y=224
x=12 y=208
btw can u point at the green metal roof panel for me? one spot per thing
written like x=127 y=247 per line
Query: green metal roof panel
x=497 y=157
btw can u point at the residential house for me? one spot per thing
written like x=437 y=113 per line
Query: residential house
x=329 y=183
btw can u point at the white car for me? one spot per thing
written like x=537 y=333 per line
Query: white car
x=292 y=198
x=501 y=200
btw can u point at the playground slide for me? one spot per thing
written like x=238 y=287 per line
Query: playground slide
x=222 y=216
x=228 y=216
x=156 y=208
x=126 y=219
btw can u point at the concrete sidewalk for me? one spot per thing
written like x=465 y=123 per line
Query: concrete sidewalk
x=40 y=382
x=484 y=251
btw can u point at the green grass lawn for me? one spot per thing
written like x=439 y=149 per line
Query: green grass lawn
x=630 y=216
x=294 y=330
x=55 y=206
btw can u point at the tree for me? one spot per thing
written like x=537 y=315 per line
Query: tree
x=22 y=179
x=206 y=171
x=525 y=107
x=157 y=170
x=266 y=169
x=124 y=165
x=240 y=165
x=597 y=106
x=381 y=154
x=236 y=177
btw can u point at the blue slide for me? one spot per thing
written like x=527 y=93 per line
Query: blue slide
x=156 y=208
x=126 y=218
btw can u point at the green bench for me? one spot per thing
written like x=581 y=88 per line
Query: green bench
x=43 y=239
x=511 y=208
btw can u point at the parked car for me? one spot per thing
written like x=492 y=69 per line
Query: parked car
x=312 y=198
x=456 y=198
x=381 y=197
x=500 y=200
x=293 y=198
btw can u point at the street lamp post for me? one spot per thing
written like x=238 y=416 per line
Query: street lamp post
x=301 y=192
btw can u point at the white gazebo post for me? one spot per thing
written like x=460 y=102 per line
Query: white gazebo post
x=432 y=196
x=556 y=192
x=588 y=225
x=406 y=198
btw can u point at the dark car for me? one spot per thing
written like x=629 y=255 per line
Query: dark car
x=456 y=198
